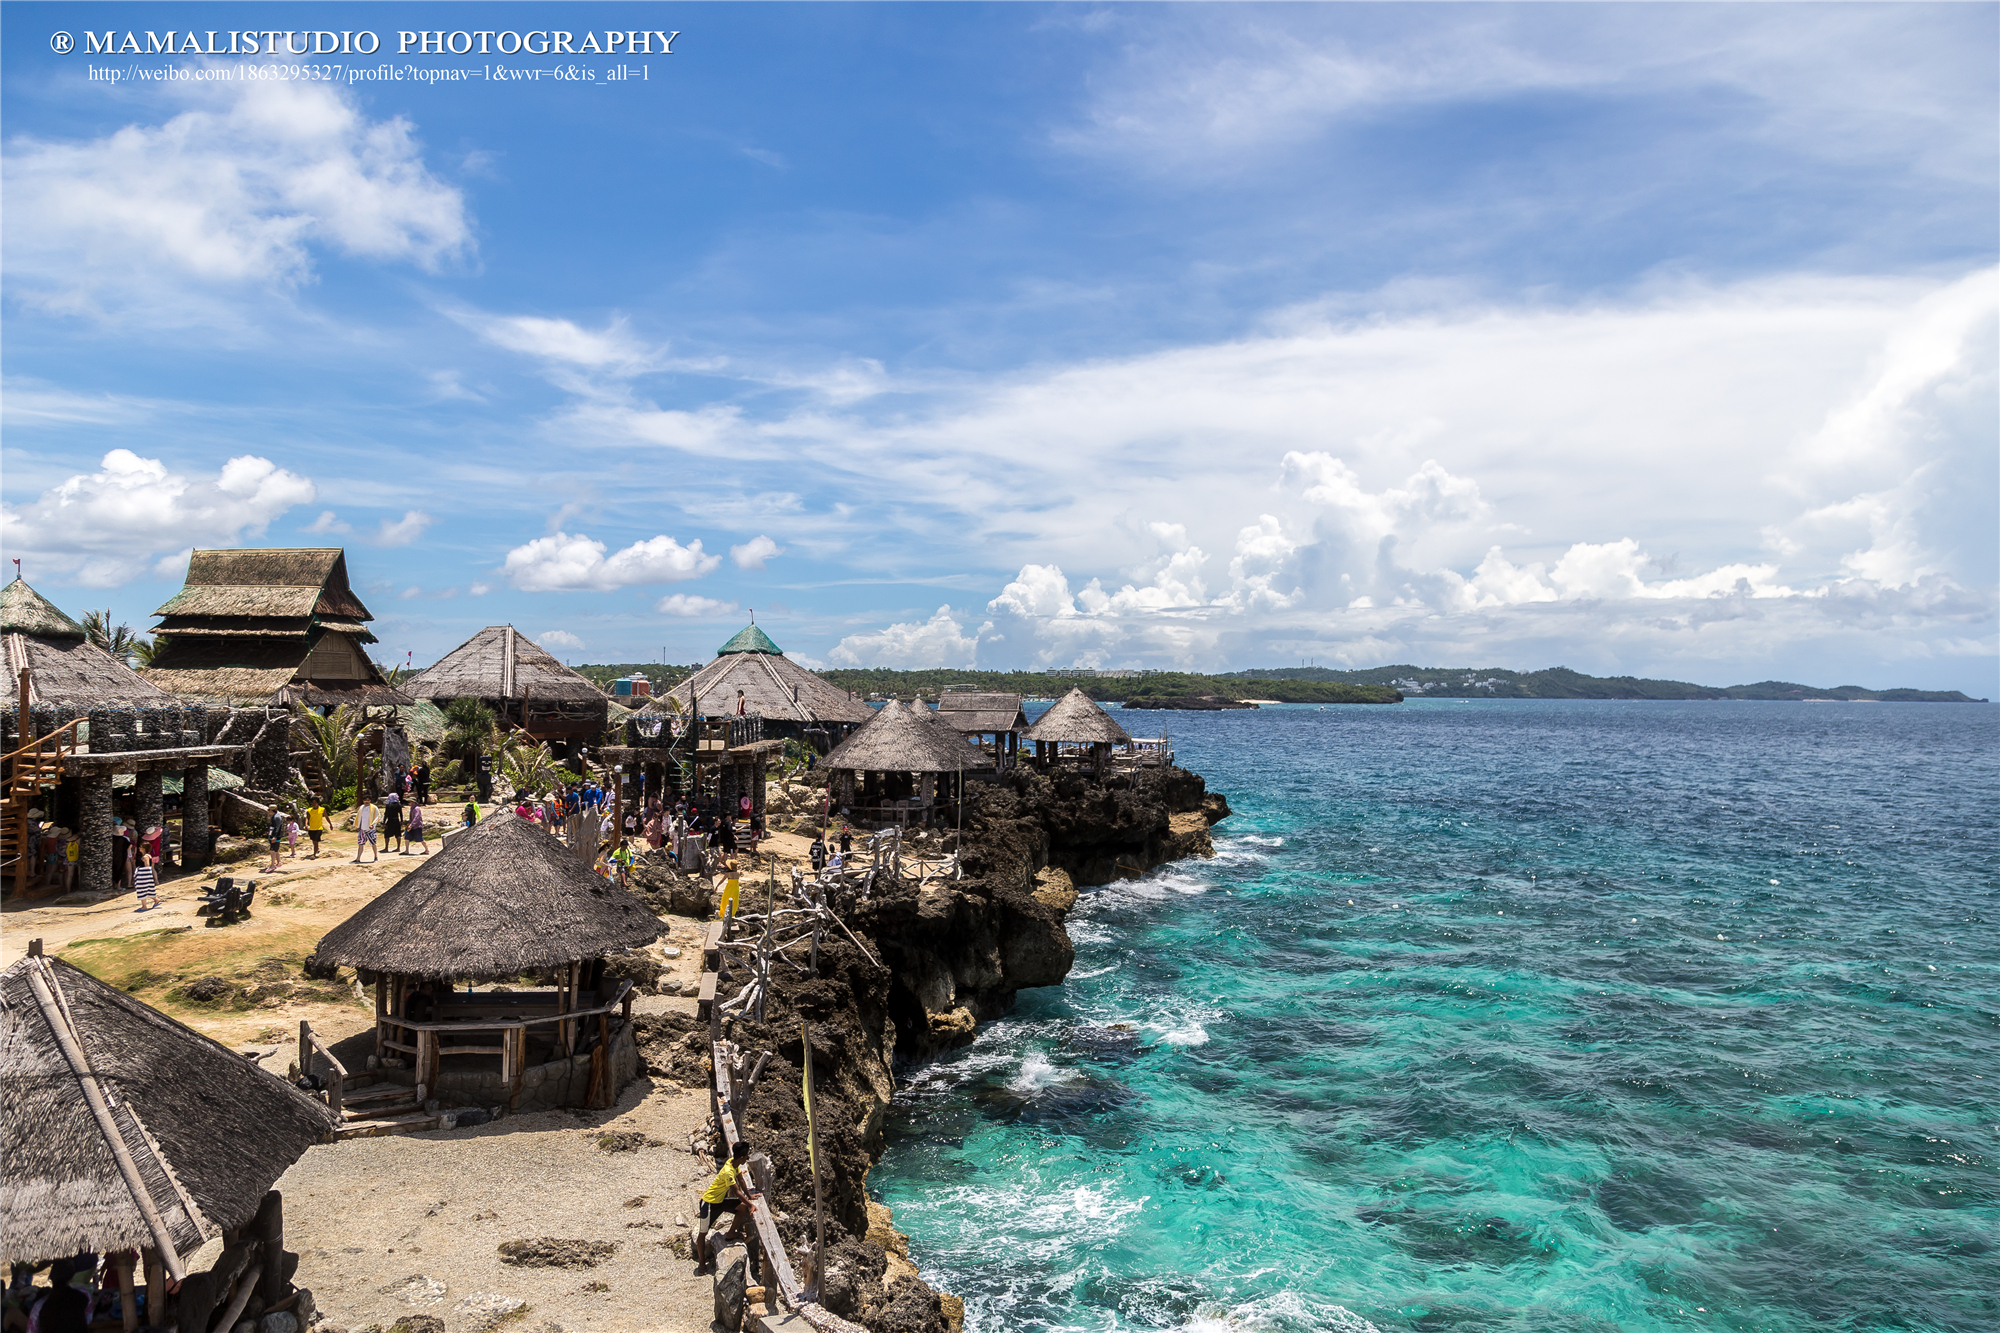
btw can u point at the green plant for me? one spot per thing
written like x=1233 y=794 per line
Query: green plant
x=118 y=641
x=528 y=764
x=329 y=742
x=470 y=729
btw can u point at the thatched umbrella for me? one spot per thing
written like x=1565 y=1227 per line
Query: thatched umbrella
x=902 y=741
x=899 y=739
x=1076 y=719
x=123 y=1129
x=503 y=899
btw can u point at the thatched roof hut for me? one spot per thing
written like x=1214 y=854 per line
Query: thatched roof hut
x=983 y=714
x=511 y=674
x=503 y=898
x=902 y=738
x=1076 y=719
x=64 y=666
x=264 y=626
x=206 y=1131
x=773 y=687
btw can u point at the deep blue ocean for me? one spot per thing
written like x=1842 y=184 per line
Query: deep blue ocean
x=1506 y=1015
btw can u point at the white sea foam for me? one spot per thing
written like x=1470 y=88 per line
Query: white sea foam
x=1287 y=1310
x=1037 y=1071
x=1100 y=971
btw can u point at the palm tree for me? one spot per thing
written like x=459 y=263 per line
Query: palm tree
x=528 y=764
x=145 y=650
x=330 y=742
x=116 y=641
x=470 y=729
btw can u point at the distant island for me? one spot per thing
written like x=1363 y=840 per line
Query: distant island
x=1308 y=685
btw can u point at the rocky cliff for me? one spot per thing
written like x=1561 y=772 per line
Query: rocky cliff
x=931 y=964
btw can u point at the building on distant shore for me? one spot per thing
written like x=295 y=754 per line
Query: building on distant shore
x=522 y=684
x=268 y=626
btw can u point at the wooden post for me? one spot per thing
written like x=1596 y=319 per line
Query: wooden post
x=156 y=1287
x=128 y=1300
x=270 y=1228
x=381 y=1013
x=305 y=1049
x=426 y=1056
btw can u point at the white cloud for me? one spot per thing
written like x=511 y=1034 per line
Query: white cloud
x=328 y=521
x=237 y=190
x=402 y=531
x=753 y=553
x=564 y=563
x=938 y=642
x=480 y=589
x=409 y=593
x=560 y=340
x=687 y=604
x=104 y=528
x=556 y=638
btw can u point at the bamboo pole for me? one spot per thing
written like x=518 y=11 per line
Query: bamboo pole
x=94 y=1095
x=812 y=1155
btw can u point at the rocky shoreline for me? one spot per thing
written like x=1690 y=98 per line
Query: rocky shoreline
x=932 y=964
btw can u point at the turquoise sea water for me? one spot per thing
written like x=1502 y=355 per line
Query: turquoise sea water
x=1537 y=1015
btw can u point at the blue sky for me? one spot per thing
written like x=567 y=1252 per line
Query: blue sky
x=1652 y=339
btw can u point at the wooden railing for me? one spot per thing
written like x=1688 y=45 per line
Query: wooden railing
x=336 y=1088
x=428 y=1051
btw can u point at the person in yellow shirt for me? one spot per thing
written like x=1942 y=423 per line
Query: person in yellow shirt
x=730 y=1187
x=316 y=825
x=732 y=892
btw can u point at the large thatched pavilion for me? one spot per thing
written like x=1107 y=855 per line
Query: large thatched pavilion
x=503 y=903
x=992 y=721
x=121 y=1129
x=751 y=676
x=276 y=625
x=904 y=766
x=57 y=680
x=520 y=682
x=1076 y=729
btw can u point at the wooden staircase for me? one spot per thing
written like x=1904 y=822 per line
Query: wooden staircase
x=32 y=770
x=368 y=1109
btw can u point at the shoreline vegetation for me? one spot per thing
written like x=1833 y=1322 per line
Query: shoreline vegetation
x=1313 y=685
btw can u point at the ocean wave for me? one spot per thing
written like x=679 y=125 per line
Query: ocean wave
x=1287 y=1311
x=1036 y=1072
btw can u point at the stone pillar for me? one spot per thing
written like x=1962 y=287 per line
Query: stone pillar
x=149 y=806
x=194 y=817
x=759 y=783
x=725 y=791
x=94 y=824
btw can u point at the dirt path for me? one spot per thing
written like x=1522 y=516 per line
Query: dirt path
x=365 y=1215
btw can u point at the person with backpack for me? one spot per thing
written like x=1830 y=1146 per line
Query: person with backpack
x=275 y=835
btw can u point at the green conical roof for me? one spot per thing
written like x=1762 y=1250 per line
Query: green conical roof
x=25 y=611
x=750 y=639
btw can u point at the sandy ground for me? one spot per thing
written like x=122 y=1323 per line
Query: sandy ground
x=397 y=1225
x=366 y=1215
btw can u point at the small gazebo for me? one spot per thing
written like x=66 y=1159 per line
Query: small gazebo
x=121 y=1129
x=449 y=947
x=888 y=772
x=1078 y=722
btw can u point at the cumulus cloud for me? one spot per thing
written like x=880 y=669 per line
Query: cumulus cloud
x=689 y=605
x=938 y=642
x=564 y=563
x=402 y=531
x=328 y=521
x=557 y=639
x=103 y=528
x=239 y=189
x=753 y=553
